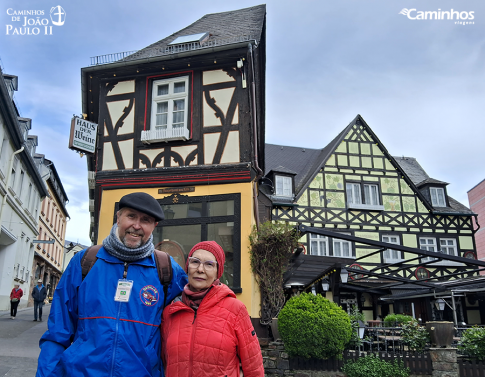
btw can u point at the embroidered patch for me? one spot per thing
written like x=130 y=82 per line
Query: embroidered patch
x=149 y=295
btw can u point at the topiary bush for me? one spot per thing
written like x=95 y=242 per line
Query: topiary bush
x=392 y=320
x=473 y=342
x=372 y=366
x=312 y=326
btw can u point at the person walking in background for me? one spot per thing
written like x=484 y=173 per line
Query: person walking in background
x=39 y=293
x=15 y=297
x=207 y=331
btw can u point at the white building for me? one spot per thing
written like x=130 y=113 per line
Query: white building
x=21 y=192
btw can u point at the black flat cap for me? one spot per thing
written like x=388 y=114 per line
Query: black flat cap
x=144 y=203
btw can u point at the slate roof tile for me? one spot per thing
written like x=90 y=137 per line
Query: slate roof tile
x=224 y=26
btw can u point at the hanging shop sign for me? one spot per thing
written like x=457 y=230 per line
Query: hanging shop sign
x=83 y=135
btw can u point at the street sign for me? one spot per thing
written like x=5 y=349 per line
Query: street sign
x=43 y=241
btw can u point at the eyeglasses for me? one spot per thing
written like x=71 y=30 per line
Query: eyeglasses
x=209 y=265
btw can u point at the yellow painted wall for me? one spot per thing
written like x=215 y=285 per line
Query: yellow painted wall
x=250 y=291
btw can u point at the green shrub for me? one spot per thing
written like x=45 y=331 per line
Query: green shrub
x=414 y=336
x=473 y=342
x=392 y=320
x=312 y=326
x=372 y=366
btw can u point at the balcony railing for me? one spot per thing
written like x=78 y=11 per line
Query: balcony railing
x=166 y=134
x=110 y=58
x=168 y=50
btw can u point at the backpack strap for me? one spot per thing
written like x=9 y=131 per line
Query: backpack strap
x=89 y=259
x=164 y=267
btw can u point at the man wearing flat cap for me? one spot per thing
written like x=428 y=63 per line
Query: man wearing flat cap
x=106 y=321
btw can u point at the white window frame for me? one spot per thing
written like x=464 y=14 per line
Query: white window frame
x=339 y=242
x=318 y=245
x=160 y=133
x=437 y=196
x=13 y=174
x=284 y=186
x=427 y=246
x=356 y=200
x=391 y=255
x=449 y=247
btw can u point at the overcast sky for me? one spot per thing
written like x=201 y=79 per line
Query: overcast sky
x=419 y=84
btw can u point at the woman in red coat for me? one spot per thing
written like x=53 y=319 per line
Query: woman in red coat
x=207 y=332
x=15 y=297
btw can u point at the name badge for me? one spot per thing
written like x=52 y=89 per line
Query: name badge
x=123 y=290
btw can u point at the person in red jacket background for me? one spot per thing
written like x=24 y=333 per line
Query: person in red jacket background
x=15 y=297
x=207 y=331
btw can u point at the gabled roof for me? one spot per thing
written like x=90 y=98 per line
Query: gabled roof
x=224 y=28
x=308 y=162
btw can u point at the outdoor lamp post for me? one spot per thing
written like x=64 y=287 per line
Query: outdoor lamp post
x=440 y=304
x=344 y=275
x=361 y=329
x=325 y=285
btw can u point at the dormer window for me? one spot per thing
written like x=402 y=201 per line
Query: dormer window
x=437 y=196
x=284 y=186
x=169 y=111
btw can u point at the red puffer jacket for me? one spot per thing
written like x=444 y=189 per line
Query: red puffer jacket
x=211 y=341
x=16 y=294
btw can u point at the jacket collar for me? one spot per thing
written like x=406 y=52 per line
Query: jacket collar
x=107 y=257
x=211 y=299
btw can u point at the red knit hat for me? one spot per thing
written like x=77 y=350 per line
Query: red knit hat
x=214 y=248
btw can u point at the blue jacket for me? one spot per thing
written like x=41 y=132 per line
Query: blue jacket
x=39 y=295
x=90 y=334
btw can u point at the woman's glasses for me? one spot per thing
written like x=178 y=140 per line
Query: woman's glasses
x=209 y=265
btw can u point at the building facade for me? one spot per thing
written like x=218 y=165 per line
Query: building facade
x=476 y=198
x=183 y=120
x=355 y=187
x=21 y=189
x=49 y=257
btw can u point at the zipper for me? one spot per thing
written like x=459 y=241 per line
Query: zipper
x=194 y=327
x=125 y=273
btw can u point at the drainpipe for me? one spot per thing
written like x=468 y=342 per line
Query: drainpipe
x=9 y=173
x=255 y=138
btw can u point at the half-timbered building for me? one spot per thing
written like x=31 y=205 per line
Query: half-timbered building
x=183 y=120
x=355 y=188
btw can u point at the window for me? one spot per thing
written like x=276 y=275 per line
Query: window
x=21 y=183
x=428 y=244
x=169 y=110
x=3 y=154
x=342 y=248
x=391 y=255
x=283 y=186
x=318 y=245
x=437 y=196
x=448 y=246
x=14 y=169
x=363 y=196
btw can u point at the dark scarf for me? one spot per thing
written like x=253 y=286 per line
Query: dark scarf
x=193 y=299
x=116 y=248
